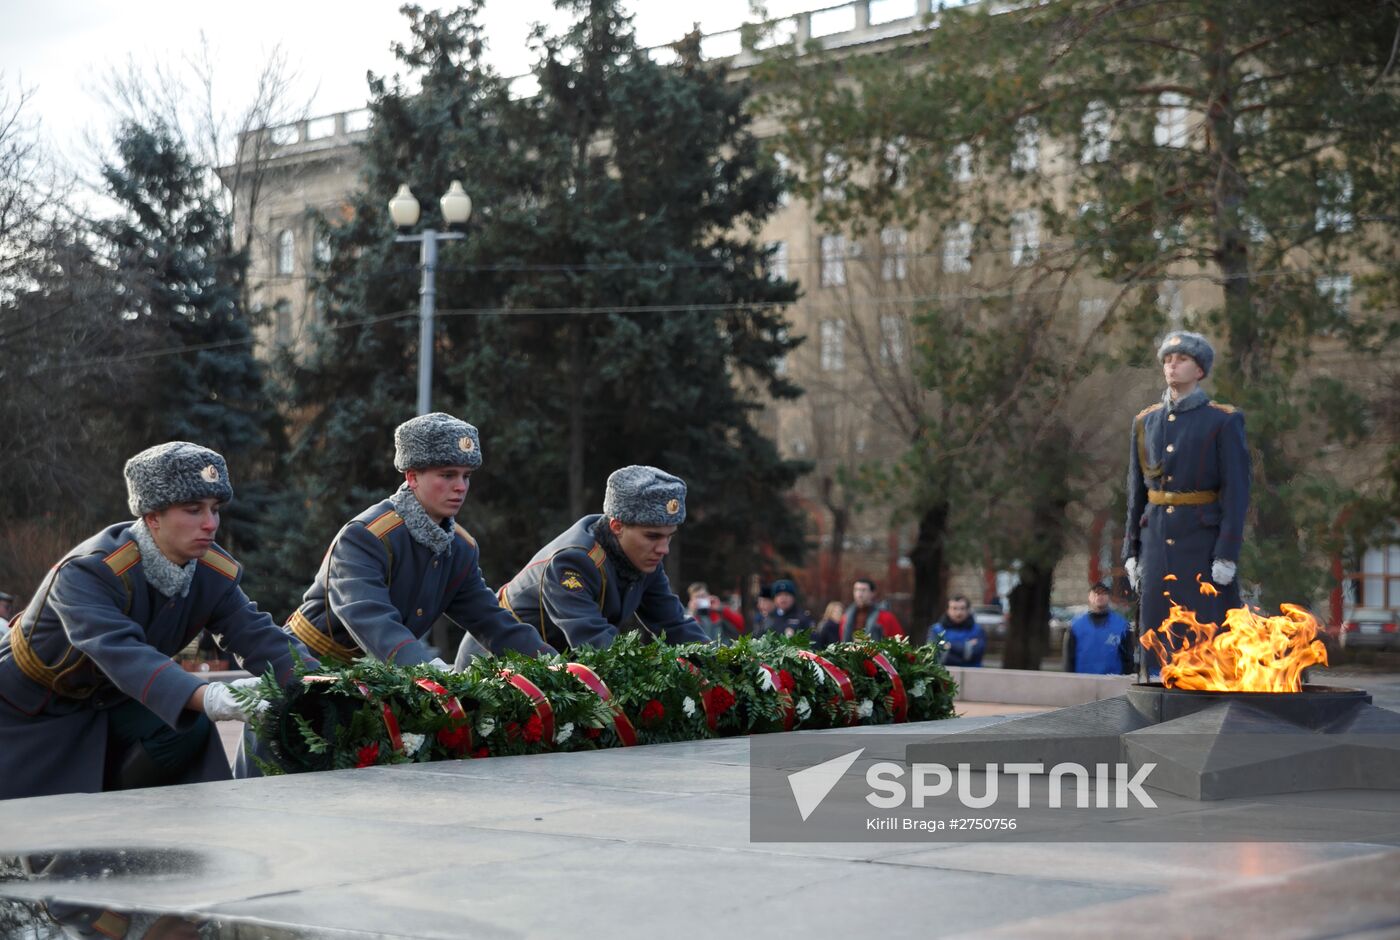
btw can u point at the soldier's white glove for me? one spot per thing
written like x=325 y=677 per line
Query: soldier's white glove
x=1134 y=574
x=1222 y=571
x=220 y=704
x=437 y=663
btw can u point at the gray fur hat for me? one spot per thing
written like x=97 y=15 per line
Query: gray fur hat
x=1192 y=344
x=177 y=472
x=436 y=440
x=640 y=495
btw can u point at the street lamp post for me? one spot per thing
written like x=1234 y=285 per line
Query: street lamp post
x=456 y=208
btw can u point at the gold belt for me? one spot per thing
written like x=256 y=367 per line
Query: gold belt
x=1183 y=498
x=319 y=643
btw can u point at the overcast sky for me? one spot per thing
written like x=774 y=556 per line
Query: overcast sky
x=61 y=49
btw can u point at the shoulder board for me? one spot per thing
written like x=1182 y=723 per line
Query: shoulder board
x=1149 y=409
x=597 y=555
x=1228 y=409
x=221 y=563
x=464 y=534
x=123 y=559
x=385 y=524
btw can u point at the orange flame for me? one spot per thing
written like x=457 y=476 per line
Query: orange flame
x=1251 y=653
x=1208 y=589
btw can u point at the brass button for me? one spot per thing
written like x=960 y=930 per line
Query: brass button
x=1169 y=512
x=420 y=610
x=1171 y=541
x=1169 y=479
x=1171 y=417
x=1170 y=448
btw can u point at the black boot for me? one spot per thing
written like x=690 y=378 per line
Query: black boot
x=138 y=770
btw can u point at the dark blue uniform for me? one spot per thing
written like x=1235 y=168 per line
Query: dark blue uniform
x=97 y=638
x=573 y=593
x=379 y=592
x=1188 y=492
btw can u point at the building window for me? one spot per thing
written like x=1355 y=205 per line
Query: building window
x=1379 y=578
x=833 y=345
x=1026 y=157
x=778 y=261
x=1173 y=117
x=286 y=251
x=1334 y=203
x=780 y=363
x=1336 y=291
x=834 y=170
x=785 y=177
x=891 y=339
x=957 y=248
x=894 y=254
x=282 y=323
x=833 y=260
x=962 y=161
x=1095 y=128
x=1025 y=236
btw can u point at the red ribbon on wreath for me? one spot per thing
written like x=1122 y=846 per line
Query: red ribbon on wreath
x=626 y=733
x=897 y=697
x=452 y=706
x=843 y=681
x=789 y=711
x=543 y=709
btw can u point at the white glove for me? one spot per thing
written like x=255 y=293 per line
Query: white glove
x=220 y=704
x=437 y=663
x=1222 y=571
x=1134 y=574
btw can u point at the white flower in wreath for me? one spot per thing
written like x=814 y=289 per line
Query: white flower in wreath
x=817 y=671
x=918 y=689
x=413 y=743
x=688 y=706
x=765 y=680
x=485 y=726
x=565 y=733
x=866 y=709
x=803 y=708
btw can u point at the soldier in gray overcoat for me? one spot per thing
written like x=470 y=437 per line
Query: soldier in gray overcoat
x=403 y=562
x=1188 y=493
x=90 y=698
x=604 y=574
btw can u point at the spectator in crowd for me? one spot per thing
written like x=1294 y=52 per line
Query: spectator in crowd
x=829 y=630
x=763 y=606
x=966 y=638
x=786 y=617
x=721 y=623
x=1099 y=641
x=868 y=614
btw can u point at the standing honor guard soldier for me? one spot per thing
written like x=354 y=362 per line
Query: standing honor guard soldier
x=90 y=698
x=604 y=574
x=403 y=562
x=1188 y=492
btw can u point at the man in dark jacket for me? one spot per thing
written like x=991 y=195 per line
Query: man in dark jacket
x=867 y=614
x=1099 y=641
x=1188 y=493
x=966 y=638
x=603 y=575
x=403 y=562
x=90 y=698
x=786 y=617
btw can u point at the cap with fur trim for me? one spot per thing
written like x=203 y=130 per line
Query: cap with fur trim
x=173 y=473
x=639 y=495
x=436 y=440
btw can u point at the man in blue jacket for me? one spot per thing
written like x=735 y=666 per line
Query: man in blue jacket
x=966 y=638
x=1188 y=493
x=1099 y=640
x=90 y=698
x=603 y=575
x=403 y=562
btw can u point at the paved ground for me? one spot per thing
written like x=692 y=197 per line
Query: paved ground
x=652 y=842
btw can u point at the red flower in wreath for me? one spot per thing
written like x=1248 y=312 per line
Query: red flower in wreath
x=482 y=751
x=368 y=755
x=534 y=730
x=870 y=668
x=718 y=699
x=456 y=739
x=592 y=734
x=785 y=680
x=911 y=657
x=653 y=712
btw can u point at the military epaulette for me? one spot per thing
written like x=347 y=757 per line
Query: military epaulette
x=1148 y=410
x=385 y=524
x=597 y=555
x=122 y=560
x=464 y=534
x=221 y=563
x=1228 y=409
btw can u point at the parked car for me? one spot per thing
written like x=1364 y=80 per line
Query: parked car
x=1372 y=628
x=991 y=618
